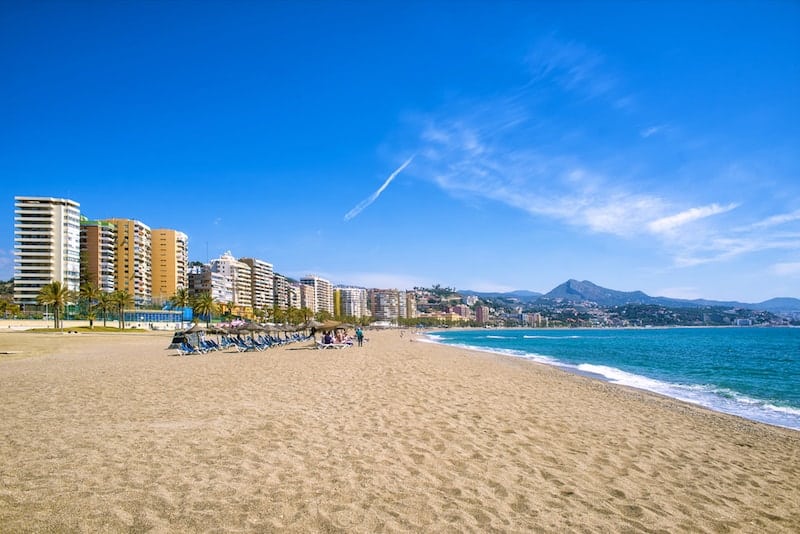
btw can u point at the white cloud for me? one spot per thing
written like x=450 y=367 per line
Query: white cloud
x=573 y=66
x=672 y=222
x=652 y=130
x=776 y=220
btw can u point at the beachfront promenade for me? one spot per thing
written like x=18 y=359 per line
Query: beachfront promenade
x=113 y=433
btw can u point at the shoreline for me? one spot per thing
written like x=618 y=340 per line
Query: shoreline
x=703 y=402
x=113 y=433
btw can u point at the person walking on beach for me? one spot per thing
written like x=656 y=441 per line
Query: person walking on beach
x=360 y=336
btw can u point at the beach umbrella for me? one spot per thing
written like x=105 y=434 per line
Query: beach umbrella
x=217 y=329
x=195 y=329
x=330 y=324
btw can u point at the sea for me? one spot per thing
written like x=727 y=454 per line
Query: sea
x=751 y=372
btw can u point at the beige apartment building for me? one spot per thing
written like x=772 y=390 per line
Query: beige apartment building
x=323 y=293
x=169 y=263
x=261 y=283
x=133 y=259
x=98 y=254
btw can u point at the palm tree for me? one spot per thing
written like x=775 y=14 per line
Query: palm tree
x=121 y=299
x=90 y=294
x=57 y=295
x=204 y=304
x=180 y=300
x=104 y=303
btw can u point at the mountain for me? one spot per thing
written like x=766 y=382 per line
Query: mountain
x=779 y=305
x=575 y=291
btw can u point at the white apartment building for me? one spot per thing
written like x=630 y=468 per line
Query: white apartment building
x=323 y=293
x=240 y=276
x=46 y=245
x=203 y=280
x=354 y=301
x=262 y=283
x=280 y=291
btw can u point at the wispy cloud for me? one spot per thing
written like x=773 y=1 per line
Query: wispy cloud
x=776 y=220
x=574 y=67
x=672 y=222
x=652 y=130
x=374 y=196
x=515 y=149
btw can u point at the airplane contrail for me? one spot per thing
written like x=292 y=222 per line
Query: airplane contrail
x=374 y=196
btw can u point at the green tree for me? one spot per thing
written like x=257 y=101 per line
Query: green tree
x=323 y=315
x=121 y=299
x=204 y=304
x=89 y=295
x=104 y=304
x=180 y=299
x=57 y=295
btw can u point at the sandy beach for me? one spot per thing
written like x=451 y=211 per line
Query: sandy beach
x=114 y=433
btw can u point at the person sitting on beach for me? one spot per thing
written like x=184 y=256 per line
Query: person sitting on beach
x=327 y=339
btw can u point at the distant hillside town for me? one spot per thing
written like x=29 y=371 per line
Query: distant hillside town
x=125 y=270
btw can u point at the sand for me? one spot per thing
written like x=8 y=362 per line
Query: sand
x=113 y=433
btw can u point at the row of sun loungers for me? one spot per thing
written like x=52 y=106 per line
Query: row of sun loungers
x=248 y=344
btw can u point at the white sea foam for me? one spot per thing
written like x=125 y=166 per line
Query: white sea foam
x=709 y=396
x=552 y=337
x=499 y=337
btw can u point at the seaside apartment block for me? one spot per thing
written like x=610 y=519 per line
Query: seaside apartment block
x=134 y=260
x=239 y=277
x=261 y=283
x=352 y=302
x=46 y=245
x=323 y=293
x=170 y=263
x=98 y=254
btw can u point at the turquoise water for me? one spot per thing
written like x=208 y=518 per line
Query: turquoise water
x=749 y=372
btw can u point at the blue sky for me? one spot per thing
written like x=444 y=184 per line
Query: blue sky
x=481 y=145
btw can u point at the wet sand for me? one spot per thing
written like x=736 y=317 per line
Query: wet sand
x=113 y=433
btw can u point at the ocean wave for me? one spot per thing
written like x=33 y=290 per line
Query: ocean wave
x=499 y=337
x=552 y=337
x=709 y=396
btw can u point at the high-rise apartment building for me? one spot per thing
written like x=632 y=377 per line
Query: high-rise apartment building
x=261 y=283
x=134 y=260
x=240 y=276
x=98 y=254
x=323 y=293
x=353 y=302
x=384 y=304
x=308 y=298
x=411 y=305
x=280 y=291
x=169 y=262
x=203 y=280
x=46 y=245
